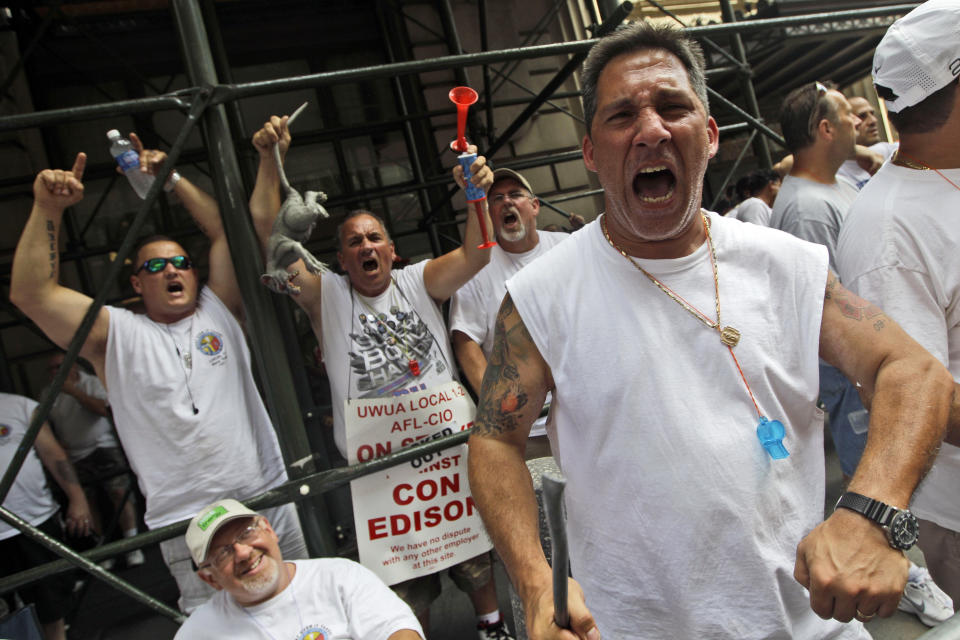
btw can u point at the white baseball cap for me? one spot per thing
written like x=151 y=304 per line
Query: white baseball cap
x=919 y=54
x=205 y=525
x=502 y=174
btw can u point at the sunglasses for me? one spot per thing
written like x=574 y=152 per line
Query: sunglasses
x=156 y=265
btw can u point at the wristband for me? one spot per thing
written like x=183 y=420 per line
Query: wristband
x=172 y=180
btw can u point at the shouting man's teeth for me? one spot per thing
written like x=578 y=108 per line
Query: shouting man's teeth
x=654 y=185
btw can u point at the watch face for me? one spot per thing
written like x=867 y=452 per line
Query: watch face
x=904 y=530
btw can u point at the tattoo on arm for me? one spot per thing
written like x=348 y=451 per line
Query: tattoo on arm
x=503 y=396
x=52 y=238
x=853 y=306
x=65 y=473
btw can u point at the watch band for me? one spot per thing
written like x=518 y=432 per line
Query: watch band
x=875 y=510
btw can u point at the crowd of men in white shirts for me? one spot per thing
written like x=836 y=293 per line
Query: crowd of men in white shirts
x=514 y=314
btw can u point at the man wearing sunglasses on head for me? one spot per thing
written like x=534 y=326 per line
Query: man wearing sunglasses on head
x=178 y=377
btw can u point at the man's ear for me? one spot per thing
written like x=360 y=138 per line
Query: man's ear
x=393 y=252
x=713 y=136
x=588 y=154
x=135 y=283
x=207 y=576
x=535 y=202
x=340 y=261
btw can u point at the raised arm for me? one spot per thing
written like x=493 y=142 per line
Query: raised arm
x=206 y=215
x=54 y=458
x=846 y=562
x=266 y=198
x=514 y=387
x=447 y=273
x=265 y=202
x=34 y=281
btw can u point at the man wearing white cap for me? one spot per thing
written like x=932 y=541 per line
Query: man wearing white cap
x=260 y=595
x=473 y=308
x=900 y=245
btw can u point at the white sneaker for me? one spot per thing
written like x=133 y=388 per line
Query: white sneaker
x=924 y=599
x=135 y=558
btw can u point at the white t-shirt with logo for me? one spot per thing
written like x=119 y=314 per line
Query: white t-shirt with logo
x=368 y=343
x=156 y=375
x=328 y=598
x=78 y=429
x=29 y=496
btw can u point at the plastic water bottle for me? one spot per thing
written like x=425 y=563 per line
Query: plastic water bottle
x=129 y=161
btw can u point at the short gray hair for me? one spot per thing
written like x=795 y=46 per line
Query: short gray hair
x=356 y=213
x=634 y=37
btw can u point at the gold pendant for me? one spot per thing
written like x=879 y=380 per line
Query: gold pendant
x=729 y=336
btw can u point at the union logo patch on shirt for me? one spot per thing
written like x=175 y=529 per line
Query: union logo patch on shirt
x=209 y=343
x=315 y=633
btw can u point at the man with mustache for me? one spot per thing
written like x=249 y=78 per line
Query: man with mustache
x=681 y=349
x=259 y=593
x=473 y=309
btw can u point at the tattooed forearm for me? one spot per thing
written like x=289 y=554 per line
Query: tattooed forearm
x=64 y=473
x=52 y=238
x=853 y=306
x=503 y=398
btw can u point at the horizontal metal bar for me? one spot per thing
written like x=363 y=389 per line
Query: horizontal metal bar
x=93 y=111
x=223 y=93
x=298 y=489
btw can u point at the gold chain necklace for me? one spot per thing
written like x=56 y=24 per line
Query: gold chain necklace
x=910 y=163
x=770 y=433
x=728 y=335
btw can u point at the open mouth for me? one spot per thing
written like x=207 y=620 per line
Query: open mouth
x=175 y=287
x=510 y=218
x=253 y=566
x=369 y=265
x=654 y=185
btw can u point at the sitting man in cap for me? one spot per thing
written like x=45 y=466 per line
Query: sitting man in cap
x=237 y=554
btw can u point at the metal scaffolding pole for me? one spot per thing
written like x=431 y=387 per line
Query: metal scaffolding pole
x=612 y=22
x=266 y=342
x=760 y=148
x=93 y=569
x=223 y=93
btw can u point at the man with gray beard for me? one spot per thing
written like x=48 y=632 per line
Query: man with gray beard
x=473 y=309
x=259 y=594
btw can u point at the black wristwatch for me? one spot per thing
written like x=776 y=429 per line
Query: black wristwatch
x=900 y=525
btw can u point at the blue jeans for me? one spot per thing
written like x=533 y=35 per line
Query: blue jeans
x=848 y=418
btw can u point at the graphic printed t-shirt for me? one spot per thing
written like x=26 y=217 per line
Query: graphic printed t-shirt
x=368 y=342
